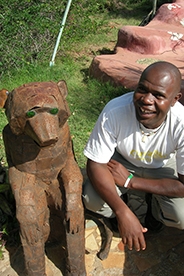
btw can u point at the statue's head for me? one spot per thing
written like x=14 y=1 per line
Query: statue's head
x=38 y=109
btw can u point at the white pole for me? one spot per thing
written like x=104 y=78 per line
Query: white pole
x=154 y=7
x=60 y=33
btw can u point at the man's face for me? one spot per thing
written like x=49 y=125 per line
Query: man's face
x=153 y=97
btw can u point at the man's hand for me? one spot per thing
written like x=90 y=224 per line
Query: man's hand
x=131 y=231
x=118 y=171
x=103 y=177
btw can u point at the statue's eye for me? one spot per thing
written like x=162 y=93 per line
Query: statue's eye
x=54 y=111
x=30 y=113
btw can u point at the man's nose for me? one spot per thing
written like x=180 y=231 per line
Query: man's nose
x=147 y=98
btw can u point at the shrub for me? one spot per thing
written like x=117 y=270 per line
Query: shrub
x=29 y=29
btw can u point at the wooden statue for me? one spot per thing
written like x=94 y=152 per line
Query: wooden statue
x=43 y=173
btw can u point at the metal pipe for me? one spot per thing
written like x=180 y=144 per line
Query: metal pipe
x=61 y=31
x=154 y=7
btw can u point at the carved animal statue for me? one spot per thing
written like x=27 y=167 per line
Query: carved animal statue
x=43 y=173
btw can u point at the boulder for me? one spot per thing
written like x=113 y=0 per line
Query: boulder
x=139 y=46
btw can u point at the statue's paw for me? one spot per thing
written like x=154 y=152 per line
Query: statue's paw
x=74 y=222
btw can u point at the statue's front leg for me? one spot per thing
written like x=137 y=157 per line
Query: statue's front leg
x=74 y=219
x=33 y=216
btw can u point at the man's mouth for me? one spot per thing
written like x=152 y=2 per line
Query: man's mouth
x=146 y=111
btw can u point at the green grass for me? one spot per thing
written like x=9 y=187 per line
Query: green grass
x=86 y=97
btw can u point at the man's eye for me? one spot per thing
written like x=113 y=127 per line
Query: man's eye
x=30 y=113
x=141 y=90
x=159 y=96
x=54 y=111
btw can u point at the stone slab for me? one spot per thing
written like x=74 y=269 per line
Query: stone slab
x=137 y=47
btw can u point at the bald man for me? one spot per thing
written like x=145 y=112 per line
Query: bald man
x=138 y=145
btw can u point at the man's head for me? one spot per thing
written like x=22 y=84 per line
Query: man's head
x=158 y=89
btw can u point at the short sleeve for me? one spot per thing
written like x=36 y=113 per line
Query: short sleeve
x=102 y=142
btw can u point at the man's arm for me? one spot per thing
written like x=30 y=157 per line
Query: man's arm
x=130 y=228
x=181 y=178
x=164 y=186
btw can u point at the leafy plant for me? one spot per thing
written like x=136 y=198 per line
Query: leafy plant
x=29 y=28
x=2 y=243
x=7 y=210
x=6 y=199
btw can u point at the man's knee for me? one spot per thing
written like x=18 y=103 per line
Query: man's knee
x=178 y=221
x=91 y=202
x=170 y=211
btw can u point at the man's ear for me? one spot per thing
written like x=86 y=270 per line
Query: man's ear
x=177 y=98
x=181 y=99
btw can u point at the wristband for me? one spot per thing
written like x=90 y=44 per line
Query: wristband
x=128 y=180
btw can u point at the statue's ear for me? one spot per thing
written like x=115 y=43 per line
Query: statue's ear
x=63 y=88
x=3 y=97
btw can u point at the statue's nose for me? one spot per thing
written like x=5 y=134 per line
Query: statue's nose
x=43 y=129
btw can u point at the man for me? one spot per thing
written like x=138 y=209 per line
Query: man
x=138 y=145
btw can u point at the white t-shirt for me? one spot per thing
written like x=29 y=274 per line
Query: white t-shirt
x=117 y=128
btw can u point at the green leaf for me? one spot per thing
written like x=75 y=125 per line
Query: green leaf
x=4 y=187
x=5 y=206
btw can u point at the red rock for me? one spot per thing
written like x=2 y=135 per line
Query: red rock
x=121 y=246
x=137 y=47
